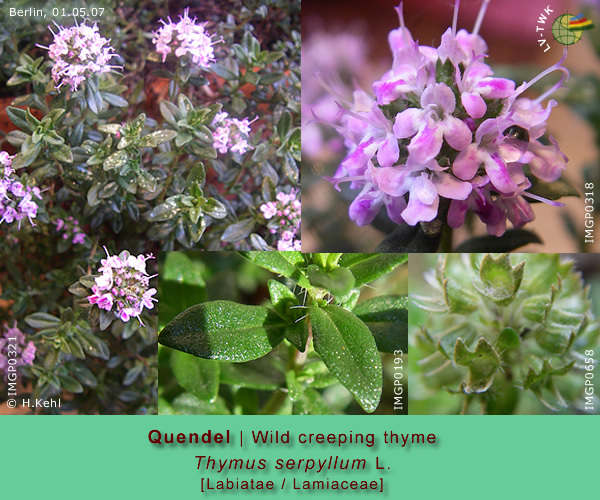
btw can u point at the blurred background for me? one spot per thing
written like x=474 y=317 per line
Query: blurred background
x=349 y=38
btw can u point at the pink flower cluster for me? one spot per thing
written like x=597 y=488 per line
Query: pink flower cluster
x=284 y=217
x=443 y=136
x=231 y=134
x=16 y=200
x=78 y=52
x=185 y=37
x=123 y=286
x=70 y=229
x=14 y=351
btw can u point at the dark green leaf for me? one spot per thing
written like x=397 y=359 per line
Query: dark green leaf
x=339 y=281
x=551 y=190
x=409 y=239
x=114 y=99
x=285 y=263
x=387 y=318
x=69 y=384
x=42 y=320
x=133 y=373
x=310 y=402
x=196 y=375
x=378 y=265
x=509 y=241
x=347 y=347
x=238 y=231
x=225 y=331
x=258 y=374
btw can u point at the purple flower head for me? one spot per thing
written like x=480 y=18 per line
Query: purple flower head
x=443 y=136
x=70 y=229
x=17 y=200
x=186 y=37
x=78 y=52
x=123 y=276
x=231 y=134
x=284 y=216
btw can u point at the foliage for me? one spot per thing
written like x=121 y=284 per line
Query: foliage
x=287 y=355
x=125 y=159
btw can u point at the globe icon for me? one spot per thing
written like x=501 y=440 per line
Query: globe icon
x=561 y=32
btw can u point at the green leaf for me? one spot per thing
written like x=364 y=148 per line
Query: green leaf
x=225 y=331
x=69 y=384
x=215 y=209
x=283 y=299
x=133 y=373
x=180 y=268
x=367 y=270
x=84 y=375
x=347 y=347
x=508 y=338
x=258 y=374
x=483 y=363
x=168 y=111
x=284 y=263
x=551 y=190
x=147 y=181
x=161 y=136
x=387 y=318
x=284 y=124
x=188 y=404
x=62 y=153
x=310 y=402
x=42 y=320
x=196 y=375
x=509 y=241
x=18 y=117
x=339 y=281
x=238 y=231
x=116 y=160
x=410 y=239
x=114 y=99
x=93 y=345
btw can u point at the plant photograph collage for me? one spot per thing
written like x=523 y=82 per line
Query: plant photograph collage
x=285 y=207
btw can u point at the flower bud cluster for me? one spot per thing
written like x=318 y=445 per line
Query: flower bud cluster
x=443 y=136
x=284 y=219
x=79 y=52
x=185 y=37
x=124 y=286
x=231 y=134
x=70 y=230
x=16 y=200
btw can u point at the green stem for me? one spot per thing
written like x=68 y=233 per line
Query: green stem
x=446 y=244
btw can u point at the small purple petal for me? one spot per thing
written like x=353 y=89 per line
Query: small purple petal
x=449 y=186
x=388 y=152
x=440 y=95
x=425 y=145
x=495 y=88
x=408 y=122
x=365 y=207
x=457 y=133
x=498 y=174
x=467 y=163
x=473 y=104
